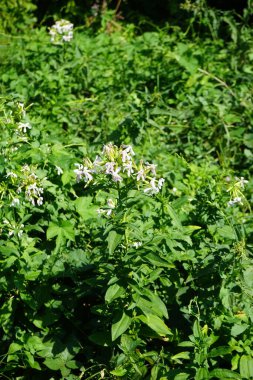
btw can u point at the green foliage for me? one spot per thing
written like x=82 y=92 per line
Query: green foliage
x=106 y=271
x=16 y=15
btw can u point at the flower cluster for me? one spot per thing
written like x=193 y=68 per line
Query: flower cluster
x=26 y=182
x=235 y=191
x=23 y=127
x=118 y=165
x=61 y=31
x=234 y=201
x=13 y=229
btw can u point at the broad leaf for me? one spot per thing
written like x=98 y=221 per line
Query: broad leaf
x=121 y=326
x=113 y=241
x=113 y=292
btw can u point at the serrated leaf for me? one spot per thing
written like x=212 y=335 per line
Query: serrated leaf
x=119 y=372
x=121 y=326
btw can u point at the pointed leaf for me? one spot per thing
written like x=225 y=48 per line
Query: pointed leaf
x=220 y=373
x=113 y=241
x=246 y=366
x=121 y=326
x=156 y=324
x=113 y=292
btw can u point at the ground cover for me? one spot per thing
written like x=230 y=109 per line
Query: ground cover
x=125 y=182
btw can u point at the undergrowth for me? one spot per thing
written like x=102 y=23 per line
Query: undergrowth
x=125 y=201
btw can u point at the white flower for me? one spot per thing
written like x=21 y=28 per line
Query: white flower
x=129 y=149
x=59 y=170
x=151 y=167
x=153 y=189
x=232 y=202
x=20 y=233
x=242 y=181
x=109 y=166
x=128 y=167
x=67 y=37
x=11 y=174
x=15 y=202
x=111 y=203
x=40 y=201
x=127 y=153
x=115 y=176
x=125 y=156
x=141 y=175
x=137 y=244
x=61 y=31
x=23 y=127
x=83 y=172
x=160 y=183
x=78 y=172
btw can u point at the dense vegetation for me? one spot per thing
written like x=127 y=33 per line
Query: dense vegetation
x=126 y=155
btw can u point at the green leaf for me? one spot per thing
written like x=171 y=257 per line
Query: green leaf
x=85 y=208
x=227 y=232
x=181 y=355
x=201 y=374
x=64 y=228
x=113 y=241
x=63 y=231
x=246 y=366
x=223 y=374
x=197 y=329
x=238 y=329
x=248 y=277
x=156 y=324
x=173 y=215
x=158 y=305
x=121 y=326
x=154 y=259
x=14 y=347
x=120 y=371
x=113 y=292
x=54 y=363
x=219 y=351
x=154 y=306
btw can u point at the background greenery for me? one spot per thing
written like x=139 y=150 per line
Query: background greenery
x=78 y=300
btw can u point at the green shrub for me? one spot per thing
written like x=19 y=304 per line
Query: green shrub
x=16 y=15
